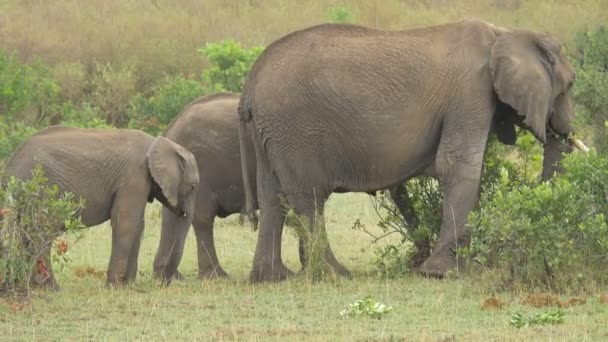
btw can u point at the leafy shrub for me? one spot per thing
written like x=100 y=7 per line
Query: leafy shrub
x=27 y=91
x=230 y=64
x=152 y=114
x=12 y=133
x=111 y=90
x=550 y=235
x=36 y=212
x=71 y=78
x=592 y=81
x=339 y=14
x=426 y=199
x=83 y=115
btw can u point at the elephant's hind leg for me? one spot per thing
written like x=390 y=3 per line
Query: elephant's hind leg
x=267 y=262
x=208 y=264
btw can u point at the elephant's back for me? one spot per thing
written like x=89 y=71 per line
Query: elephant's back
x=89 y=163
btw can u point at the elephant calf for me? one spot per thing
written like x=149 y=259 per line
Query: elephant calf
x=208 y=127
x=116 y=171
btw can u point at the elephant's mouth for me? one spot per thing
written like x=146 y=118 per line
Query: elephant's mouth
x=157 y=193
x=567 y=139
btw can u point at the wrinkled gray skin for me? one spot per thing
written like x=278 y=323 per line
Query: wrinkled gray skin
x=344 y=108
x=116 y=171
x=208 y=127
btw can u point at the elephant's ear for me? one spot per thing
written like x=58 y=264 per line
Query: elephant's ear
x=521 y=65
x=166 y=167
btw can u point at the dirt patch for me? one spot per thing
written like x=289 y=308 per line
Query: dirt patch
x=539 y=300
x=573 y=302
x=82 y=272
x=492 y=304
x=604 y=299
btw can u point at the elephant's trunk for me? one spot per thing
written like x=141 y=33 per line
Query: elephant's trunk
x=244 y=169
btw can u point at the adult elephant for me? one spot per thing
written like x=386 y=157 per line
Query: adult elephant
x=116 y=171
x=344 y=108
x=208 y=127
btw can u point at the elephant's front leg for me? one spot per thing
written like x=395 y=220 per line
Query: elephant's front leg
x=132 y=266
x=127 y=216
x=171 y=246
x=458 y=167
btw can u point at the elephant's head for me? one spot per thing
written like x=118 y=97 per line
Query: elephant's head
x=174 y=171
x=531 y=75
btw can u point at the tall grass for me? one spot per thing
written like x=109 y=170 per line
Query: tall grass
x=161 y=36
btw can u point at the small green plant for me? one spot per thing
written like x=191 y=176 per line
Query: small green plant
x=339 y=14
x=367 y=307
x=551 y=317
x=35 y=213
x=314 y=240
x=230 y=64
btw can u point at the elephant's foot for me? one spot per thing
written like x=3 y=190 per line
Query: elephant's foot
x=436 y=266
x=269 y=272
x=115 y=281
x=166 y=277
x=211 y=272
x=337 y=267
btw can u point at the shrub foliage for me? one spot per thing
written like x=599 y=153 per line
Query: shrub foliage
x=36 y=213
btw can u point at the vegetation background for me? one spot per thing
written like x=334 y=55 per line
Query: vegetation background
x=136 y=63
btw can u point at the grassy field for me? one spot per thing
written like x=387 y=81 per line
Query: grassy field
x=234 y=309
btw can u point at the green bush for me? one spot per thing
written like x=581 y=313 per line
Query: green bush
x=28 y=92
x=36 y=213
x=426 y=199
x=592 y=82
x=230 y=64
x=339 y=14
x=152 y=114
x=12 y=133
x=111 y=90
x=83 y=115
x=547 y=235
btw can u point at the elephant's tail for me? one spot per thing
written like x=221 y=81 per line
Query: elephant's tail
x=244 y=121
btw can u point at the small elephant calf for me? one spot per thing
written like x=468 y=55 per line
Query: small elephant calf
x=116 y=171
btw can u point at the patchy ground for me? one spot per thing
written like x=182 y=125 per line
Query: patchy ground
x=227 y=310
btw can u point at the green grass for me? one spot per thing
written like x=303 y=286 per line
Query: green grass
x=234 y=309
